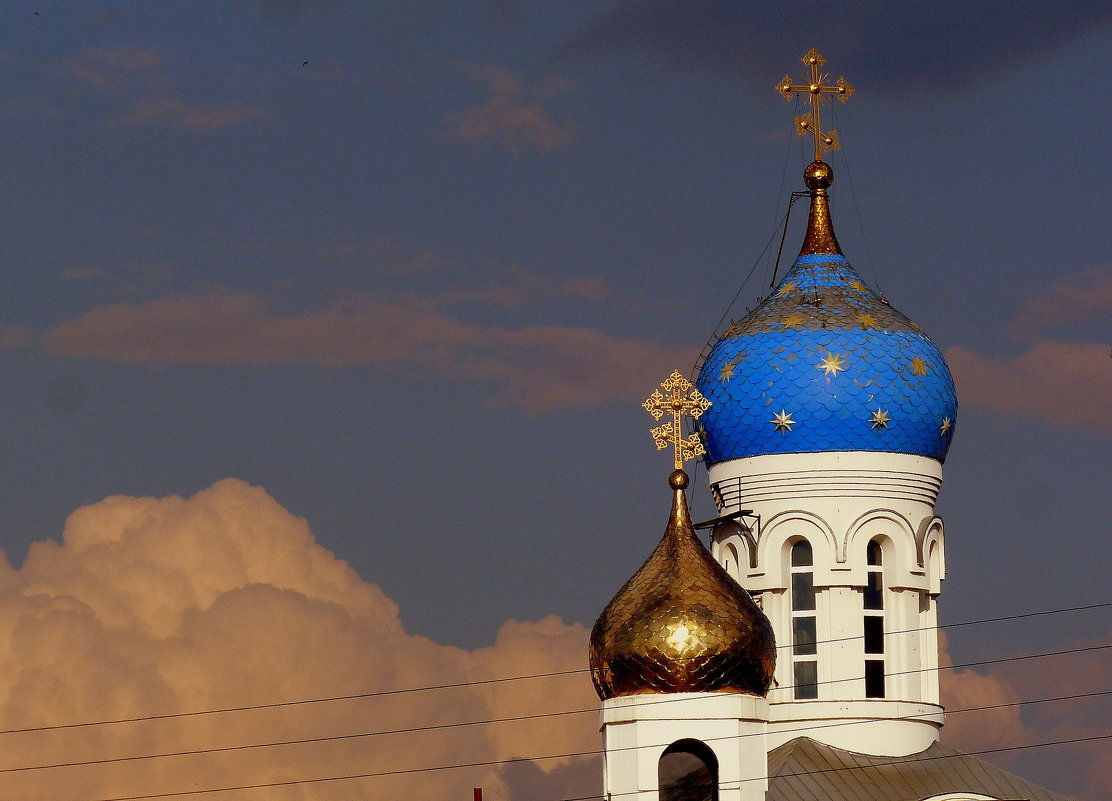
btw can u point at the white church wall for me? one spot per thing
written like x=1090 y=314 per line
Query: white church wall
x=637 y=729
x=880 y=727
x=839 y=503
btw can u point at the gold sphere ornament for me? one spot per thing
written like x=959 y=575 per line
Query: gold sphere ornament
x=818 y=175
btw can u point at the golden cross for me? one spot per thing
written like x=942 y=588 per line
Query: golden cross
x=679 y=402
x=812 y=123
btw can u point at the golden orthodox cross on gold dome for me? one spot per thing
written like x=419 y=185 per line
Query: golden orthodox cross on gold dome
x=812 y=123
x=679 y=401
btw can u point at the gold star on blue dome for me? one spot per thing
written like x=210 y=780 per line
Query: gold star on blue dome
x=832 y=364
x=919 y=367
x=947 y=424
x=783 y=421
x=879 y=419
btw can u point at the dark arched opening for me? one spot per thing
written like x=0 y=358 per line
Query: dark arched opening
x=687 y=771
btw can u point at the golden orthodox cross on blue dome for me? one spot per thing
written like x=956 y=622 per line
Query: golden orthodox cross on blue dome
x=812 y=123
x=679 y=401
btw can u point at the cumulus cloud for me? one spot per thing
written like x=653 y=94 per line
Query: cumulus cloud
x=1084 y=768
x=157 y=606
x=540 y=367
x=994 y=724
x=514 y=114
x=891 y=47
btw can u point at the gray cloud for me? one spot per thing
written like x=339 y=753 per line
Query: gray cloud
x=176 y=112
x=514 y=114
x=891 y=47
x=539 y=367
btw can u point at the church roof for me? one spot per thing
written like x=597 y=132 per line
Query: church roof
x=805 y=770
x=681 y=623
x=825 y=363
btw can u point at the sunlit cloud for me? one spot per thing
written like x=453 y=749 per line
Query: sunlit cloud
x=539 y=367
x=995 y=724
x=1003 y=713
x=1057 y=382
x=1054 y=380
x=514 y=115
x=157 y=606
x=1077 y=300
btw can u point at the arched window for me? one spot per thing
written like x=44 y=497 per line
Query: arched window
x=804 y=623
x=732 y=562
x=687 y=771
x=874 y=621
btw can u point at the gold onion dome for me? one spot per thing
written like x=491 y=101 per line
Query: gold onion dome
x=681 y=624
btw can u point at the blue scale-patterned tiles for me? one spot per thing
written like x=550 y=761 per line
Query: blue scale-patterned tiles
x=825 y=364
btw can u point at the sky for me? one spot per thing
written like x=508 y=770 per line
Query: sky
x=325 y=326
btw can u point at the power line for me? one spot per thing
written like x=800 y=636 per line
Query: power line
x=418 y=729
x=909 y=760
x=494 y=762
x=857 y=209
x=752 y=269
x=536 y=716
x=505 y=679
x=786 y=646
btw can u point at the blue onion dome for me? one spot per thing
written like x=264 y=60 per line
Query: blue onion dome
x=825 y=364
x=681 y=623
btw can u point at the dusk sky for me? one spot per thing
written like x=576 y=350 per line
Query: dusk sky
x=294 y=284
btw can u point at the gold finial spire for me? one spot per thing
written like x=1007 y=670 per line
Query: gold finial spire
x=812 y=123
x=679 y=402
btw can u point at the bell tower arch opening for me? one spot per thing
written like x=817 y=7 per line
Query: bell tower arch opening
x=688 y=771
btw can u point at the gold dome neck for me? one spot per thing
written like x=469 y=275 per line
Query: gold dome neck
x=820 y=237
x=681 y=623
